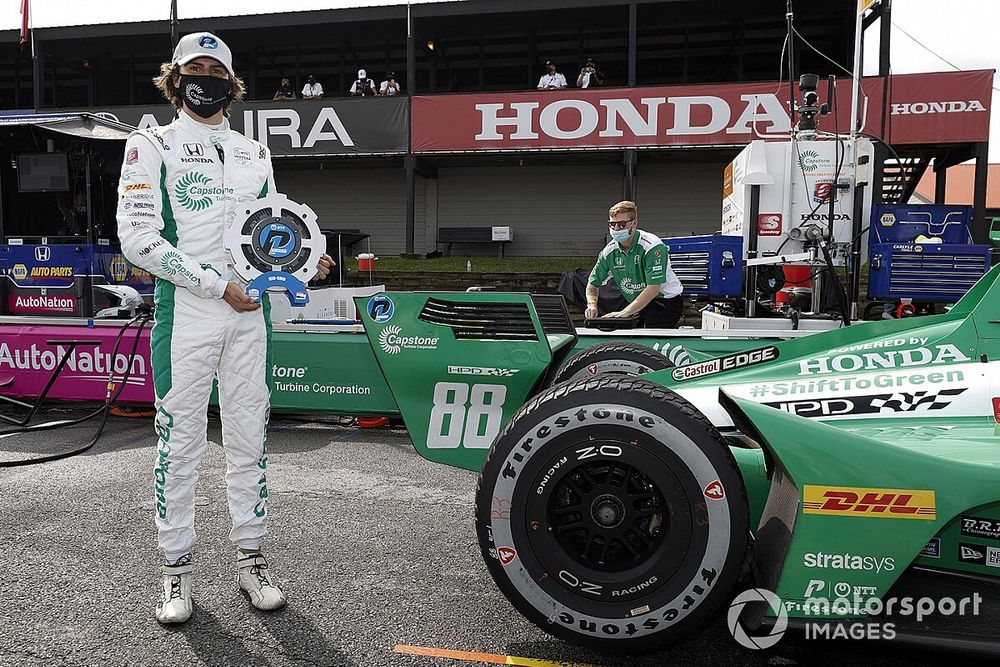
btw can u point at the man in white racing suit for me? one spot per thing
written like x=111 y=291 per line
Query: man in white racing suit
x=180 y=185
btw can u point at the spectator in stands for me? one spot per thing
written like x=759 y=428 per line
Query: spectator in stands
x=284 y=91
x=639 y=263
x=590 y=76
x=364 y=86
x=551 y=80
x=312 y=90
x=390 y=86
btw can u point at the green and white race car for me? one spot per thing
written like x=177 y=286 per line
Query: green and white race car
x=840 y=471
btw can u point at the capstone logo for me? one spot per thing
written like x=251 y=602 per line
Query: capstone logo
x=392 y=341
x=173 y=263
x=809 y=161
x=628 y=286
x=288 y=371
x=195 y=94
x=194 y=191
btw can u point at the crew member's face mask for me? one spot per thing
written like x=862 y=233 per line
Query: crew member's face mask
x=204 y=95
x=621 y=234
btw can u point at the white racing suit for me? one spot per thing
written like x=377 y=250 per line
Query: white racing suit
x=180 y=187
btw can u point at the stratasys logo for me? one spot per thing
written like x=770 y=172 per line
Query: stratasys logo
x=848 y=561
x=194 y=192
x=392 y=341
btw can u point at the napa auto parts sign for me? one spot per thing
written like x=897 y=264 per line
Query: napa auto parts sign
x=947 y=107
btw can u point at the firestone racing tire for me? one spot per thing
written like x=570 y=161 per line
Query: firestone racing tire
x=611 y=514
x=617 y=358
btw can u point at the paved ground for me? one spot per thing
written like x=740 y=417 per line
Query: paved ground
x=375 y=546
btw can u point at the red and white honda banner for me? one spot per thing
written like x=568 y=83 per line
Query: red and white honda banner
x=945 y=107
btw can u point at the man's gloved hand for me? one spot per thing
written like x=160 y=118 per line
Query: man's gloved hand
x=238 y=299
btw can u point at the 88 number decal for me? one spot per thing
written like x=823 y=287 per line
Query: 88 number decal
x=464 y=415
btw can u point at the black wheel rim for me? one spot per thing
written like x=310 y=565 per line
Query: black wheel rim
x=660 y=498
x=607 y=515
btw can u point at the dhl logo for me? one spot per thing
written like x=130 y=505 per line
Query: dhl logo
x=878 y=503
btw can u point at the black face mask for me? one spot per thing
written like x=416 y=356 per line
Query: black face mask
x=204 y=95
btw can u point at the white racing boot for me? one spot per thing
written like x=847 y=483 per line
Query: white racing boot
x=175 y=598
x=255 y=579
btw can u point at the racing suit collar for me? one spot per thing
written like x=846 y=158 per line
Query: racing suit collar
x=211 y=133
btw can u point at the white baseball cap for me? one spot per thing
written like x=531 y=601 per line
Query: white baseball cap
x=203 y=45
x=362 y=74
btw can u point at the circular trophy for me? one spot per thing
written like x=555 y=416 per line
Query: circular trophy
x=275 y=244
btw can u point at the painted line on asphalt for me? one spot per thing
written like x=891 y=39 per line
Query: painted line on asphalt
x=489 y=658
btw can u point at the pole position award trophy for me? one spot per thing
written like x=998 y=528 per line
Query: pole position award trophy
x=275 y=245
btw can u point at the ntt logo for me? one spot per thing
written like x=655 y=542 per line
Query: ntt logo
x=739 y=631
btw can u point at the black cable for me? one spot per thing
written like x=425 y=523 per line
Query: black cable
x=109 y=401
x=899 y=161
x=841 y=296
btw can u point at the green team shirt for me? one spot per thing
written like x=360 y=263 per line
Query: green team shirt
x=645 y=263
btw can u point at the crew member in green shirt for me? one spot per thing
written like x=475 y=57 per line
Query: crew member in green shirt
x=639 y=263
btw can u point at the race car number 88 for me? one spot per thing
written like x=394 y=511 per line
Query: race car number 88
x=460 y=417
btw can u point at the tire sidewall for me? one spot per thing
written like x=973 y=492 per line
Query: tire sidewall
x=676 y=606
x=619 y=358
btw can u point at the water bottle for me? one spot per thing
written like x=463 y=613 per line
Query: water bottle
x=468 y=266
